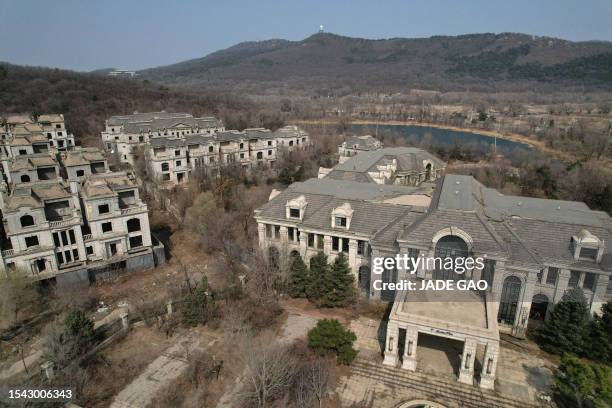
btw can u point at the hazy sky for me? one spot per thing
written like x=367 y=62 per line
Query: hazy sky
x=86 y=35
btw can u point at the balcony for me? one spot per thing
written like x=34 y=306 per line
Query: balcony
x=133 y=209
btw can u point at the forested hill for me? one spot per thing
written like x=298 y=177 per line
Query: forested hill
x=323 y=61
x=86 y=100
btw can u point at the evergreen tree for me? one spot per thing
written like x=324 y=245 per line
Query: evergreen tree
x=564 y=331
x=600 y=334
x=298 y=278
x=318 y=270
x=338 y=284
x=580 y=384
x=328 y=337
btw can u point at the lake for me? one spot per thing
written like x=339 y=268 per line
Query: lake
x=440 y=136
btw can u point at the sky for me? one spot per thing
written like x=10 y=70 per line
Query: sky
x=86 y=35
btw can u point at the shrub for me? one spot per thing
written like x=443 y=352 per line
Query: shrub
x=329 y=337
x=580 y=384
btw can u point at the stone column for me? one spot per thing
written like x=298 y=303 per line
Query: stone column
x=524 y=306
x=489 y=365
x=562 y=280
x=261 y=232
x=327 y=244
x=599 y=293
x=303 y=243
x=49 y=369
x=544 y=275
x=428 y=273
x=466 y=370
x=283 y=235
x=169 y=308
x=352 y=258
x=402 y=273
x=391 y=344
x=476 y=274
x=125 y=322
x=581 y=279
x=498 y=280
x=409 y=360
x=374 y=294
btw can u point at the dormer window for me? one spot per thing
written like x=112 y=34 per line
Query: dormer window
x=296 y=208
x=341 y=216
x=587 y=246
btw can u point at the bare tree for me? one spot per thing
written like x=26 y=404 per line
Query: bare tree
x=270 y=369
x=311 y=383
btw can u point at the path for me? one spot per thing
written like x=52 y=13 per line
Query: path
x=161 y=372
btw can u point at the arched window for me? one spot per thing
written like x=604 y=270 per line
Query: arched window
x=26 y=221
x=509 y=300
x=539 y=304
x=133 y=225
x=25 y=178
x=450 y=246
x=428 y=172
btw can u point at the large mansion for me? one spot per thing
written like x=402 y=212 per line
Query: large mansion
x=534 y=249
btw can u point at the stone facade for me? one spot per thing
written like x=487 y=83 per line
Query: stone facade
x=65 y=213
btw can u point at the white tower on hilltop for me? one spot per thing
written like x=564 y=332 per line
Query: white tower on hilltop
x=321 y=29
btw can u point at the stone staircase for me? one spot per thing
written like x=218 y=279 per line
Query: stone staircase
x=439 y=389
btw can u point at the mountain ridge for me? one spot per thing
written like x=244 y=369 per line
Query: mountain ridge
x=322 y=59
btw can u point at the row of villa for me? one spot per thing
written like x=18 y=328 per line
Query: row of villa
x=65 y=215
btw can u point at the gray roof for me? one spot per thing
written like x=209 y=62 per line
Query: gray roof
x=119 y=120
x=324 y=195
x=366 y=142
x=408 y=159
x=166 y=142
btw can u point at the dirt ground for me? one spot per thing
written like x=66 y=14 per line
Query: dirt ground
x=119 y=363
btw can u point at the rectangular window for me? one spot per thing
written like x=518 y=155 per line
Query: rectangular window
x=589 y=281
x=75 y=254
x=540 y=275
x=60 y=258
x=56 y=240
x=136 y=241
x=68 y=256
x=551 y=278
x=311 y=240
x=290 y=232
x=177 y=152
x=89 y=250
x=178 y=163
x=588 y=253
x=340 y=221
x=72 y=237
x=268 y=230
x=345 y=245
x=31 y=241
x=269 y=152
x=107 y=226
x=294 y=212
x=360 y=247
x=103 y=209
x=335 y=244
x=269 y=143
x=320 y=241
x=574 y=278
x=277 y=231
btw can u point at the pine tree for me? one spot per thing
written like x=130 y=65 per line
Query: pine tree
x=600 y=334
x=298 y=278
x=338 y=284
x=564 y=331
x=318 y=270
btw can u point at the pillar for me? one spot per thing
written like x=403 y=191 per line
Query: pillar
x=169 y=308
x=391 y=344
x=283 y=235
x=374 y=294
x=49 y=369
x=125 y=322
x=466 y=370
x=524 y=306
x=498 y=280
x=428 y=273
x=489 y=366
x=303 y=243
x=327 y=244
x=261 y=232
x=599 y=293
x=352 y=258
x=409 y=360
x=561 y=287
